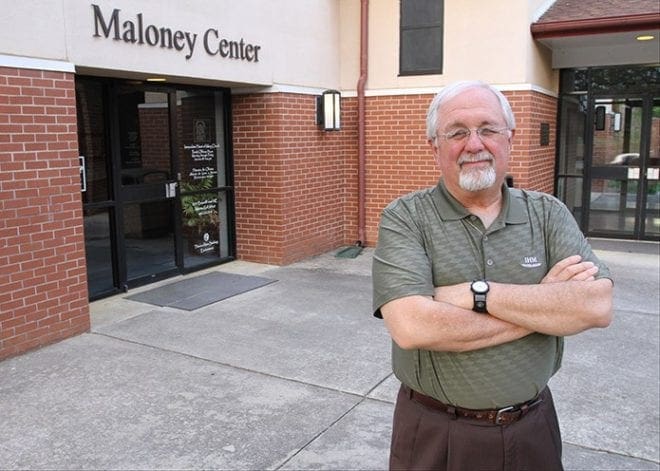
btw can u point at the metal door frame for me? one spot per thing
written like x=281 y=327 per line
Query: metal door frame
x=116 y=201
x=120 y=196
x=647 y=100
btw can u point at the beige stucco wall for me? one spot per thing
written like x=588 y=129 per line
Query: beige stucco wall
x=303 y=43
x=298 y=39
x=482 y=40
x=539 y=57
x=33 y=28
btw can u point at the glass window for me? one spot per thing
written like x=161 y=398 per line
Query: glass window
x=420 y=38
x=92 y=143
x=144 y=133
x=569 y=190
x=572 y=132
x=200 y=121
x=98 y=251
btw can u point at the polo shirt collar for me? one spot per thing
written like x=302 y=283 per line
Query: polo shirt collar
x=450 y=209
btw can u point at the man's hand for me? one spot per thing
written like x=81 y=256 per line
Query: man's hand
x=571 y=269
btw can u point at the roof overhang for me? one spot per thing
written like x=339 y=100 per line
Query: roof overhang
x=601 y=41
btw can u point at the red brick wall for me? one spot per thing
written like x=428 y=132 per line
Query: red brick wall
x=533 y=165
x=43 y=286
x=399 y=160
x=295 y=184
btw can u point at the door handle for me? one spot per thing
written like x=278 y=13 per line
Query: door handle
x=170 y=189
x=83 y=173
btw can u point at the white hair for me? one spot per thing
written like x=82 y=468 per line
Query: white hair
x=450 y=91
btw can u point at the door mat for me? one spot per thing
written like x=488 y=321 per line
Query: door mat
x=200 y=291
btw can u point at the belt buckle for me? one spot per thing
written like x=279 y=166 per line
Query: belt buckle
x=499 y=417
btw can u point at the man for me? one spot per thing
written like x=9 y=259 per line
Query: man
x=477 y=284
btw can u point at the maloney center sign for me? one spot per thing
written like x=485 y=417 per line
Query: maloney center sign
x=138 y=31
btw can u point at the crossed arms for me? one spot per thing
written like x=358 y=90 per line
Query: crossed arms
x=568 y=300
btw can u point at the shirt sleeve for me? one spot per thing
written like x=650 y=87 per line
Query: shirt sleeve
x=565 y=239
x=401 y=266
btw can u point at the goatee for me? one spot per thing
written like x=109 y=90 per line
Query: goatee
x=477 y=179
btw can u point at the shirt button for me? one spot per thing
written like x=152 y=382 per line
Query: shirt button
x=489 y=262
x=485 y=238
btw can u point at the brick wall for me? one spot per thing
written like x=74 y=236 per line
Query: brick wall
x=399 y=160
x=533 y=165
x=43 y=287
x=295 y=185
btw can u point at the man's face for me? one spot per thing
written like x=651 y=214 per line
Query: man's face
x=472 y=163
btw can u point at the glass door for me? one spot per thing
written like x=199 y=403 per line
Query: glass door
x=156 y=180
x=147 y=183
x=651 y=221
x=96 y=187
x=623 y=176
x=204 y=176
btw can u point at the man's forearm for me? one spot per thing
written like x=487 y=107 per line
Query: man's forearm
x=417 y=322
x=562 y=308
x=553 y=308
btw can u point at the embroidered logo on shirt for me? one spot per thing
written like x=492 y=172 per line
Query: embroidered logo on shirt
x=530 y=262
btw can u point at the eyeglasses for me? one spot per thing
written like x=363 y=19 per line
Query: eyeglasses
x=463 y=134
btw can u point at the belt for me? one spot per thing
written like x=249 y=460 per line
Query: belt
x=503 y=416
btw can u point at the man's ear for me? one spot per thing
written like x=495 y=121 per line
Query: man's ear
x=436 y=152
x=434 y=148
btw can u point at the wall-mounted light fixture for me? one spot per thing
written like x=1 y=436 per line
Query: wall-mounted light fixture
x=328 y=110
x=617 y=122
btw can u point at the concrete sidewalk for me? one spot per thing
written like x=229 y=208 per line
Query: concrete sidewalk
x=296 y=375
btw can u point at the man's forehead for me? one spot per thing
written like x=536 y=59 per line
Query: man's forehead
x=474 y=104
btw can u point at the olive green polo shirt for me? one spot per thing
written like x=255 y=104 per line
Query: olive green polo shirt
x=428 y=239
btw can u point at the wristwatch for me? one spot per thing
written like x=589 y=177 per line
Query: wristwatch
x=479 y=289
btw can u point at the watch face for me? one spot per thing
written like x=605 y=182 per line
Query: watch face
x=480 y=287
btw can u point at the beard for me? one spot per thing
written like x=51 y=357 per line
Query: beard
x=477 y=179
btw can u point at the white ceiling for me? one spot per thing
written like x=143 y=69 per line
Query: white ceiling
x=603 y=49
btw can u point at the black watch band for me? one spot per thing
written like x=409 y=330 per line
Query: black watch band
x=479 y=290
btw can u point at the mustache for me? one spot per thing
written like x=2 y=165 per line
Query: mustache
x=480 y=157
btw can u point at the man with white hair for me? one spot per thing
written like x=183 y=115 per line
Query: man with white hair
x=478 y=284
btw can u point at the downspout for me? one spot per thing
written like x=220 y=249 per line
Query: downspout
x=364 y=56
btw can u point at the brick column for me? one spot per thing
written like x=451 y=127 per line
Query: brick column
x=43 y=286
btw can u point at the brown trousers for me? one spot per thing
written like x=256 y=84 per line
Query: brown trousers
x=427 y=439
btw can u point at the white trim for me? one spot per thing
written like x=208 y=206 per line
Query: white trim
x=38 y=64
x=518 y=87
x=278 y=88
x=512 y=87
x=403 y=91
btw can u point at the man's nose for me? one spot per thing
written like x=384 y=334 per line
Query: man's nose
x=474 y=142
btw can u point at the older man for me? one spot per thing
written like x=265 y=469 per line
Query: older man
x=477 y=284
